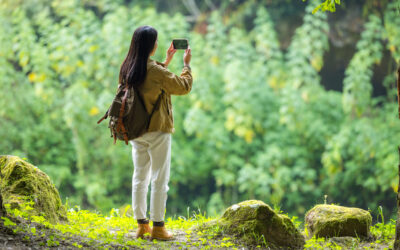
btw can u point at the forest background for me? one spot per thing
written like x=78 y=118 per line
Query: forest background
x=288 y=107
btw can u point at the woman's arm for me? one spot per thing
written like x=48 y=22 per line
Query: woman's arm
x=170 y=54
x=173 y=84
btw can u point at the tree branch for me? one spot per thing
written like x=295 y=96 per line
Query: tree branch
x=191 y=6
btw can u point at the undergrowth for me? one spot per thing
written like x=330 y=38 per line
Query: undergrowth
x=88 y=229
x=115 y=230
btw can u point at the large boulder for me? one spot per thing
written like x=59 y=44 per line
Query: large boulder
x=338 y=221
x=252 y=219
x=21 y=181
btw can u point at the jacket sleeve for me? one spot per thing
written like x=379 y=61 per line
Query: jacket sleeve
x=173 y=84
x=160 y=63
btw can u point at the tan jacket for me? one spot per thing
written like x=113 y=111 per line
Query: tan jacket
x=159 y=78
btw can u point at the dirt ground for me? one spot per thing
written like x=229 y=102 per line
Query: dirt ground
x=18 y=240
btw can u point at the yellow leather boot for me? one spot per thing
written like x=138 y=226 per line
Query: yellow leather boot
x=143 y=227
x=159 y=232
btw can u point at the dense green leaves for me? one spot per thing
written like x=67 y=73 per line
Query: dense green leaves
x=257 y=124
x=357 y=85
x=392 y=22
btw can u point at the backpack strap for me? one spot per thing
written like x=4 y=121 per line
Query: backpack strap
x=104 y=117
x=120 y=124
x=156 y=106
x=114 y=134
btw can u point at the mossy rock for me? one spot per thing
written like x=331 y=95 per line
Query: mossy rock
x=338 y=221
x=252 y=219
x=21 y=181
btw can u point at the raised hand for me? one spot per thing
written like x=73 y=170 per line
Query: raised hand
x=187 y=56
x=170 y=54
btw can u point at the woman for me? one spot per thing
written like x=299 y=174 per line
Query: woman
x=151 y=152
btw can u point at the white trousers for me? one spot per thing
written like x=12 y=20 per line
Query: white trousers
x=151 y=153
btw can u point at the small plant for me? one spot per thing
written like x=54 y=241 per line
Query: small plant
x=380 y=209
x=51 y=242
x=296 y=222
x=384 y=232
x=77 y=245
x=315 y=243
x=277 y=209
x=8 y=222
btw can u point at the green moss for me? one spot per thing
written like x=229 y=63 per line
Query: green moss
x=255 y=222
x=333 y=221
x=21 y=180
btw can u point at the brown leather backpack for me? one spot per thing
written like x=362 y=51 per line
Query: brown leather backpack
x=128 y=115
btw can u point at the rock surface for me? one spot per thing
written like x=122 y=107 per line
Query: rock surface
x=21 y=180
x=253 y=219
x=338 y=221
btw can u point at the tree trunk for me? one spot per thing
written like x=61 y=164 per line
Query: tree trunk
x=398 y=88
x=397 y=240
x=2 y=210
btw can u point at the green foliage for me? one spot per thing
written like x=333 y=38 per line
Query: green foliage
x=305 y=54
x=357 y=85
x=392 y=23
x=383 y=232
x=7 y=222
x=257 y=124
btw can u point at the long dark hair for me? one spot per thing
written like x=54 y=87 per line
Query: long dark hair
x=134 y=68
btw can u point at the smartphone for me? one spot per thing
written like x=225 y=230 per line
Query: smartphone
x=180 y=43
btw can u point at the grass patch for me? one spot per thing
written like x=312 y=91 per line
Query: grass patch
x=116 y=230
